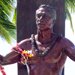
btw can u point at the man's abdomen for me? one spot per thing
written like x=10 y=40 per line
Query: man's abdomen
x=45 y=69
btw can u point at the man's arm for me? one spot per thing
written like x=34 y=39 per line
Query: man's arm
x=15 y=56
x=71 y=52
x=69 y=49
x=10 y=58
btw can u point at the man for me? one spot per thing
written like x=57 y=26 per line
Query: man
x=49 y=50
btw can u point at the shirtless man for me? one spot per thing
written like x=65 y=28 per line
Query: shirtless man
x=49 y=49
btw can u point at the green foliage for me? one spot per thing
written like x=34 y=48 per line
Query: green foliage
x=69 y=8
x=14 y=16
x=7 y=26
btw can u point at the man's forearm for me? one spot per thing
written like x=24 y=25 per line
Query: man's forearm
x=10 y=58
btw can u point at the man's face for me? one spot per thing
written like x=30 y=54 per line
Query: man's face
x=43 y=19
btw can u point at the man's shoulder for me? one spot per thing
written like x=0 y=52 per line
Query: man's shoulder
x=58 y=36
x=61 y=38
x=66 y=42
x=25 y=41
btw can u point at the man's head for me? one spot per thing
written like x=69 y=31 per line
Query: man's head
x=45 y=16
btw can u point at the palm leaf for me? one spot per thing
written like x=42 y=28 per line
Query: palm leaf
x=5 y=34
x=6 y=7
x=68 y=15
x=14 y=17
x=70 y=7
x=7 y=27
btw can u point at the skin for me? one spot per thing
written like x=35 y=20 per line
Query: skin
x=53 y=62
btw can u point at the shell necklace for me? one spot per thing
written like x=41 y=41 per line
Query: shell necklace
x=42 y=53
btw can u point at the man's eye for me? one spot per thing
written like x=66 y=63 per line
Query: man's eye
x=38 y=15
x=44 y=16
x=47 y=16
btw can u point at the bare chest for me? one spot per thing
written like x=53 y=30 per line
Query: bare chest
x=48 y=64
x=47 y=55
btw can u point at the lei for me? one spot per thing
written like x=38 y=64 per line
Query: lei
x=25 y=54
x=2 y=70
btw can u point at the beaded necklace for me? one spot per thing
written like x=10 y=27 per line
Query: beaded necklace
x=39 y=52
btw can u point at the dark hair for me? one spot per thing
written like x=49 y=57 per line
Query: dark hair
x=50 y=9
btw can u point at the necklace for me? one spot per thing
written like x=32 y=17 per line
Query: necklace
x=41 y=53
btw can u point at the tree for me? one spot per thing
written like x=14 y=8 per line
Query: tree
x=7 y=19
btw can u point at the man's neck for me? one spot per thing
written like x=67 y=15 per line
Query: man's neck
x=44 y=35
